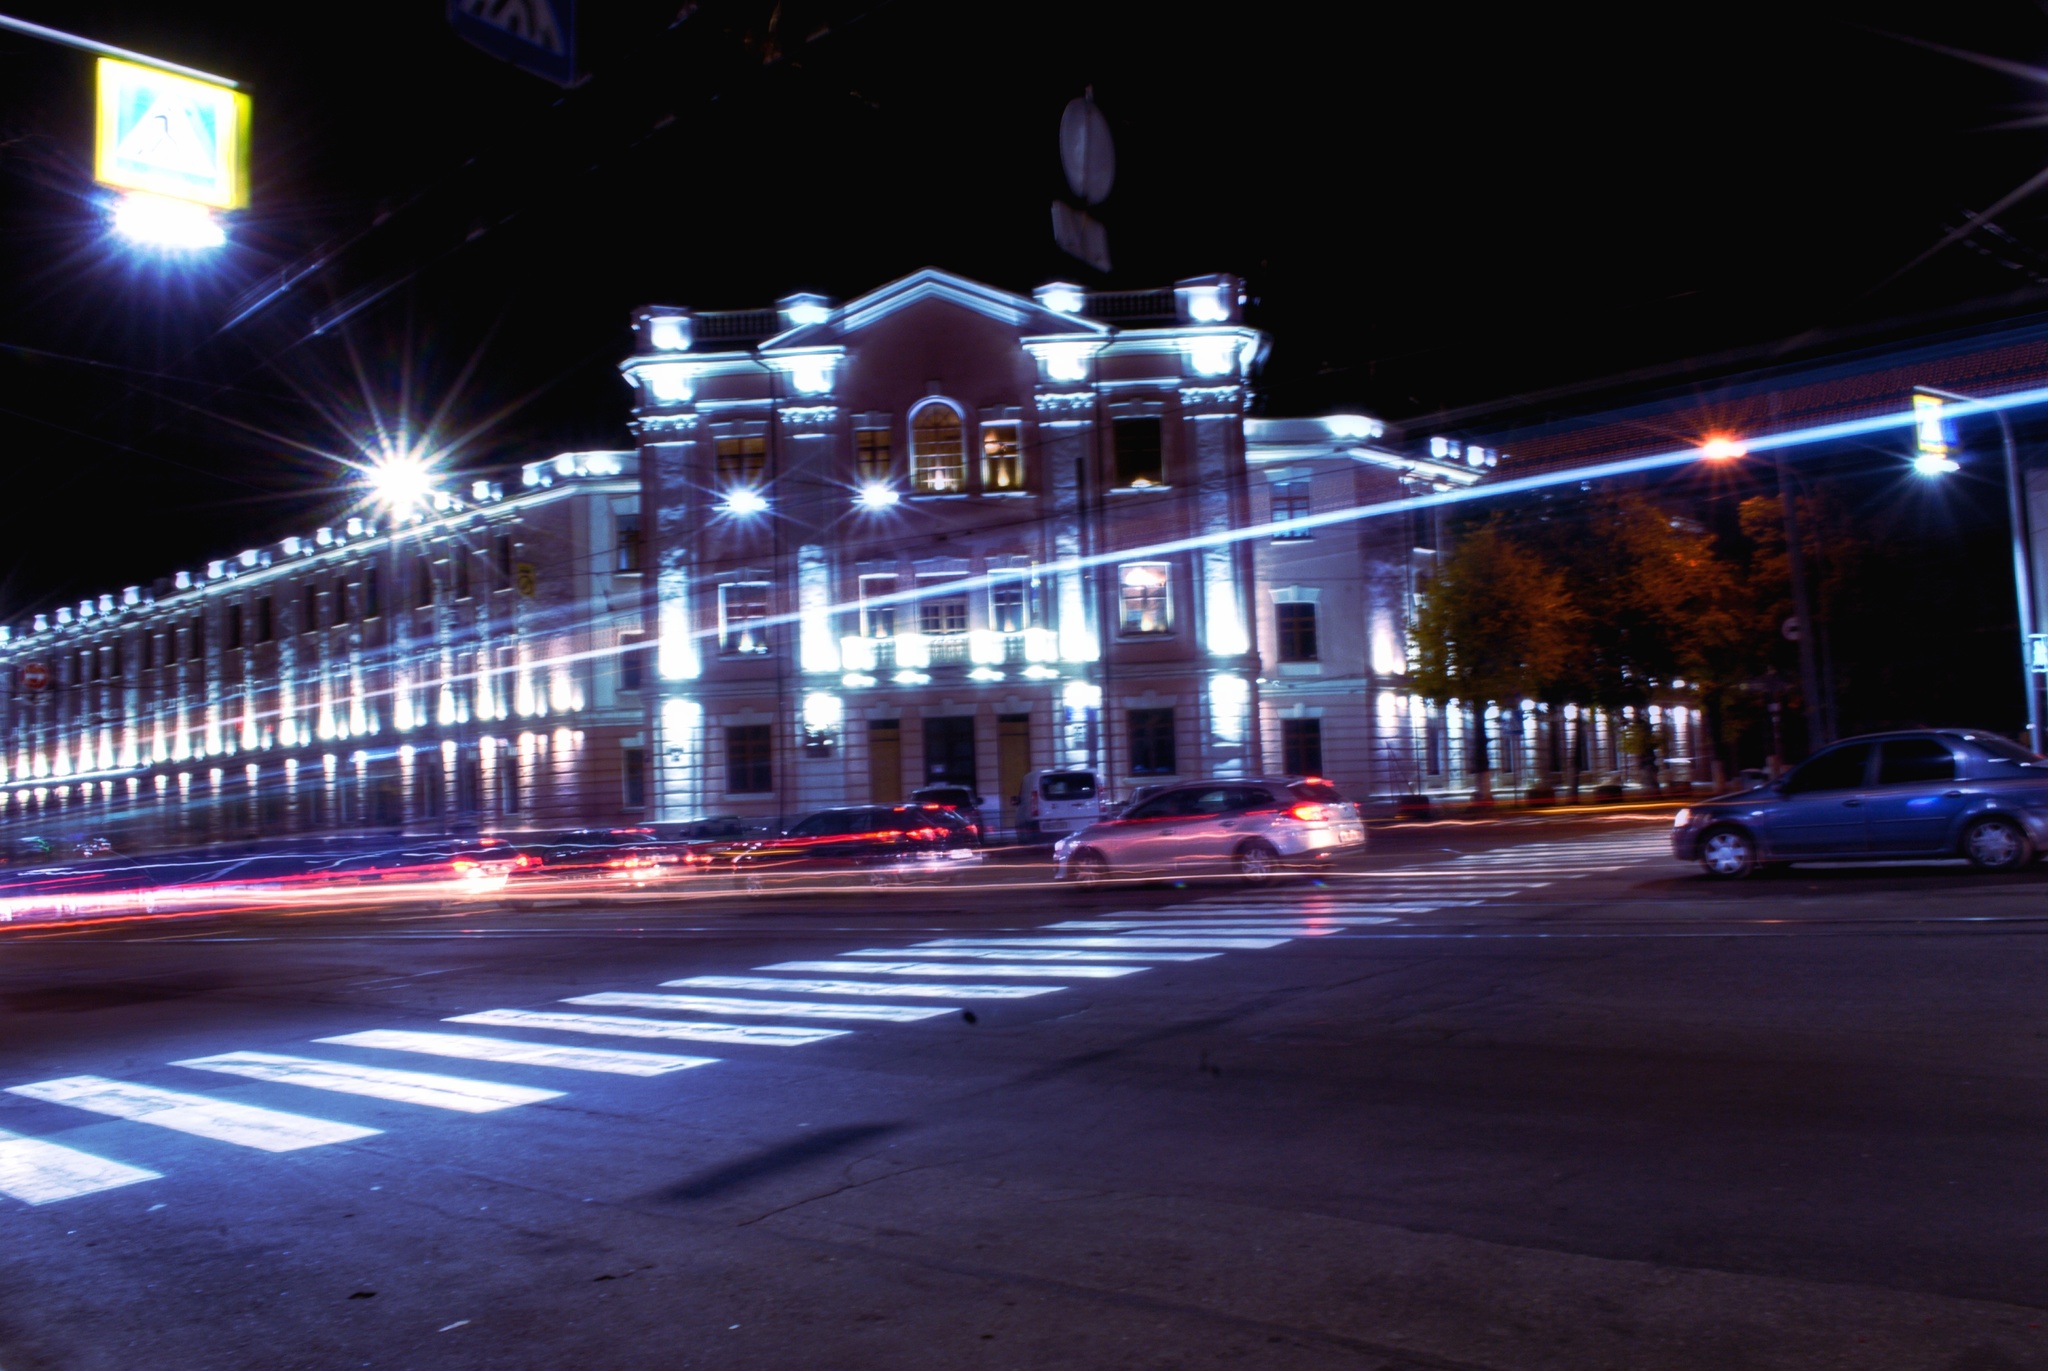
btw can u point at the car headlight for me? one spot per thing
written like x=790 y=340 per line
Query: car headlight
x=1681 y=818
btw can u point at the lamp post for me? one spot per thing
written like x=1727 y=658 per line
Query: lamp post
x=1936 y=459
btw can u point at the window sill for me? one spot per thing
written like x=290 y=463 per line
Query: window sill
x=1138 y=490
x=1009 y=494
x=936 y=495
x=1300 y=668
x=1293 y=538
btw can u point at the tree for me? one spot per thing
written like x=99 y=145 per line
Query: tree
x=1497 y=622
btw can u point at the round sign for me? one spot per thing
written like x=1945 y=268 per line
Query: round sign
x=35 y=675
x=1086 y=152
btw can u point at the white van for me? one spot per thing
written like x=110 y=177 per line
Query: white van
x=1049 y=803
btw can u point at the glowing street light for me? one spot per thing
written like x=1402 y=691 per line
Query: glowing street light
x=1934 y=446
x=400 y=481
x=1722 y=449
x=876 y=496
x=746 y=501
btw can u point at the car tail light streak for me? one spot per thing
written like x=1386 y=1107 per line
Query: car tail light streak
x=1310 y=813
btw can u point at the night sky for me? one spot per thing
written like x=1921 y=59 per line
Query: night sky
x=1435 y=210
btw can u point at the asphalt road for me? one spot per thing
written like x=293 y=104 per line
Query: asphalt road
x=1508 y=1096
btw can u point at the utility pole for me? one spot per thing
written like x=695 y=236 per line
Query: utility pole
x=1818 y=725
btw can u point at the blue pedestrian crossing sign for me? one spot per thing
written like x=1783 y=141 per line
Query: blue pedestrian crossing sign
x=539 y=35
x=171 y=135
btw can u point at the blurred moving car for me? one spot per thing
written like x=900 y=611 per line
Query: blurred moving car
x=880 y=844
x=1050 y=803
x=1255 y=827
x=960 y=799
x=1918 y=794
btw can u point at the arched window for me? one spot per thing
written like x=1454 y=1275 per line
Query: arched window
x=938 y=453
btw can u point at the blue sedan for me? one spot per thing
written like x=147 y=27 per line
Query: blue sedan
x=1926 y=793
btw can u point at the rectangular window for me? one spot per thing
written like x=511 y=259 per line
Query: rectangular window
x=502 y=559
x=1009 y=605
x=633 y=772
x=877 y=621
x=943 y=612
x=197 y=636
x=626 y=543
x=742 y=617
x=1291 y=501
x=938 y=452
x=632 y=660
x=266 y=620
x=1145 y=590
x=747 y=768
x=145 y=651
x=373 y=593
x=1002 y=457
x=338 y=604
x=459 y=565
x=1301 y=747
x=1297 y=625
x=113 y=661
x=1152 y=742
x=1140 y=461
x=742 y=462
x=422 y=582
x=234 y=627
x=872 y=458
x=309 y=615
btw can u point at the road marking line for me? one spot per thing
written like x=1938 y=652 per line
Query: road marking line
x=378 y=1082
x=805 y=987
x=38 y=1172
x=775 y=1009
x=474 y=1047
x=1168 y=939
x=770 y=1035
x=1058 y=952
x=942 y=969
x=245 y=1125
x=1244 y=926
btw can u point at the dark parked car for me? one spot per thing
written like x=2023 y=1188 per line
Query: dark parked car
x=878 y=844
x=1925 y=793
x=960 y=799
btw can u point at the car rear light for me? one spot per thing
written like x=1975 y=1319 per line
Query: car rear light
x=1310 y=813
x=924 y=835
x=463 y=868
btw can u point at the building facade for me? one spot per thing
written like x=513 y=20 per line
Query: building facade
x=468 y=662
x=944 y=533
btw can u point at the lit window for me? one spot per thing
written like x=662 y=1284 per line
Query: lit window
x=1002 y=457
x=941 y=614
x=871 y=454
x=626 y=534
x=1291 y=501
x=1009 y=605
x=938 y=459
x=877 y=621
x=1146 y=592
x=742 y=617
x=1297 y=625
x=1140 y=461
x=742 y=462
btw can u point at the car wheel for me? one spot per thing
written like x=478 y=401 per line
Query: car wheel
x=1088 y=870
x=1257 y=862
x=1727 y=854
x=1996 y=845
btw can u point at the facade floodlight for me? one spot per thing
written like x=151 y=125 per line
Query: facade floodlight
x=746 y=501
x=400 y=482
x=876 y=496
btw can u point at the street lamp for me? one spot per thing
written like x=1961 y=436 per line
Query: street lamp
x=1934 y=456
x=400 y=481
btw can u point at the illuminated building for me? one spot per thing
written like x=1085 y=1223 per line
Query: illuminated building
x=946 y=533
x=470 y=663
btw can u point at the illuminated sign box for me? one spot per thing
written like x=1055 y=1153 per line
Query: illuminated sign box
x=173 y=136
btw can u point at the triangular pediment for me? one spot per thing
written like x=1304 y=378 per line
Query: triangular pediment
x=1016 y=311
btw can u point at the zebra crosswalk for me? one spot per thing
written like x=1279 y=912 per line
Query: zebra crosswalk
x=815 y=1001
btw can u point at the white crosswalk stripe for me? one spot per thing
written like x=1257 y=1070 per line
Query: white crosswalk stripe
x=777 y=1009
x=813 y=987
x=475 y=1047
x=1067 y=970
x=245 y=1125
x=1056 y=953
x=1168 y=939
x=458 y=1093
x=38 y=1172
x=769 y=1035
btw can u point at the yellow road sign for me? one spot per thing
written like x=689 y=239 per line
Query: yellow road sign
x=171 y=135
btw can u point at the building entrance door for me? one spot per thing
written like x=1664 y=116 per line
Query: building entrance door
x=949 y=752
x=1013 y=760
x=885 y=760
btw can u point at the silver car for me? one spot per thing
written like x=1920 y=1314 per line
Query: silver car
x=1254 y=826
x=1926 y=793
